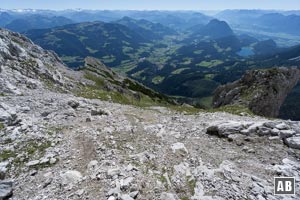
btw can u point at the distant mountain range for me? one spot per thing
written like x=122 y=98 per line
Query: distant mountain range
x=37 y=22
x=178 y=20
x=74 y=42
x=179 y=53
x=269 y=21
x=146 y=28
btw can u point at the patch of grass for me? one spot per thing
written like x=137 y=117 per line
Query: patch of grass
x=15 y=40
x=198 y=52
x=164 y=181
x=6 y=154
x=1 y=126
x=185 y=109
x=33 y=147
x=70 y=59
x=178 y=71
x=185 y=198
x=99 y=82
x=92 y=51
x=233 y=109
x=209 y=64
x=30 y=63
x=2 y=94
x=191 y=184
x=91 y=92
x=148 y=92
x=206 y=102
x=108 y=59
x=209 y=76
x=158 y=79
x=187 y=61
x=54 y=129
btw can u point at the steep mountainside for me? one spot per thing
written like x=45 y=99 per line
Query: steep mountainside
x=214 y=29
x=98 y=39
x=55 y=144
x=119 y=88
x=26 y=63
x=262 y=91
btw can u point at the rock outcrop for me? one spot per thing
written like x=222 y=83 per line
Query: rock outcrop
x=262 y=91
x=24 y=65
x=288 y=132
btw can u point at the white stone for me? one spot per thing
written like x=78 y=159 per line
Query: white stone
x=282 y=126
x=113 y=172
x=33 y=163
x=178 y=146
x=286 y=133
x=168 y=196
x=71 y=176
x=126 y=197
x=125 y=183
x=92 y=164
x=293 y=142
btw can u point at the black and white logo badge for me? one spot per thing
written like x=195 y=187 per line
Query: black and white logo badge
x=284 y=185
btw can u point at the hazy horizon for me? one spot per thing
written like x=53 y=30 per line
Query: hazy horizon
x=171 y=5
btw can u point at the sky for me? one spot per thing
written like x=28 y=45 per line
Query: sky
x=151 y=4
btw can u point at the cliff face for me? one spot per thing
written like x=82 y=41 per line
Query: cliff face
x=262 y=91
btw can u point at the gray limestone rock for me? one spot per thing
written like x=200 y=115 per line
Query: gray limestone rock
x=262 y=91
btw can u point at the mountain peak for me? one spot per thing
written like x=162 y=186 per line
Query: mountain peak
x=218 y=27
x=215 y=29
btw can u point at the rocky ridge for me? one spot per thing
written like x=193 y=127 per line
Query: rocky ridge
x=262 y=91
x=55 y=145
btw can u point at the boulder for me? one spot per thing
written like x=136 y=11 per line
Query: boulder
x=178 y=146
x=113 y=172
x=125 y=183
x=98 y=111
x=293 y=142
x=33 y=163
x=73 y=103
x=71 y=177
x=3 y=169
x=286 y=133
x=227 y=128
x=6 y=189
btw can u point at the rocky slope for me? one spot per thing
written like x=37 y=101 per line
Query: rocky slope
x=119 y=86
x=55 y=145
x=262 y=91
